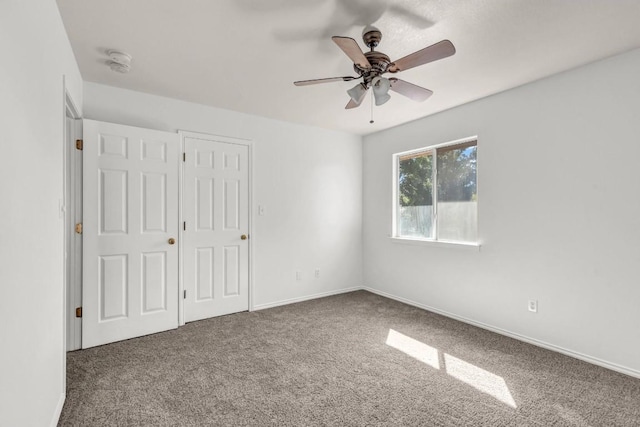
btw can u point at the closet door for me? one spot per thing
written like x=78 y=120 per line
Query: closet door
x=130 y=227
x=216 y=225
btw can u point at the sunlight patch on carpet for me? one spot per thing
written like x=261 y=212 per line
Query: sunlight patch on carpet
x=414 y=348
x=478 y=378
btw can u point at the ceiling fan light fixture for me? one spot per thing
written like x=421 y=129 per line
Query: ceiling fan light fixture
x=357 y=93
x=380 y=87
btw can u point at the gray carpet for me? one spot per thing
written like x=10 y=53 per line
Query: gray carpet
x=355 y=359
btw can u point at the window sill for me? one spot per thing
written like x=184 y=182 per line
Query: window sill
x=475 y=247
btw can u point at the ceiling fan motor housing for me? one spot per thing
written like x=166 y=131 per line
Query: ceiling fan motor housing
x=379 y=65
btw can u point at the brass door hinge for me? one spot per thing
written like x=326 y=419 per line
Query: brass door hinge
x=79 y=312
x=79 y=144
x=79 y=228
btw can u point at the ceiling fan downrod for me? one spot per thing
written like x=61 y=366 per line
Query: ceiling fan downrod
x=371 y=36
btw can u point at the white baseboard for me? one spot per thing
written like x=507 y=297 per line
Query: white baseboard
x=58 y=410
x=305 y=298
x=586 y=358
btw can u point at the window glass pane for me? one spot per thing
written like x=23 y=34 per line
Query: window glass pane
x=415 y=196
x=457 y=193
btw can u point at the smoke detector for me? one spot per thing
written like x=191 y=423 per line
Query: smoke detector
x=119 y=62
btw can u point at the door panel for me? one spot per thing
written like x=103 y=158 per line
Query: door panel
x=204 y=203
x=231 y=205
x=204 y=271
x=231 y=270
x=113 y=295
x=216 y=213
x=154 y=203
x=113 y=201
x=154 y=283
x=130 y=210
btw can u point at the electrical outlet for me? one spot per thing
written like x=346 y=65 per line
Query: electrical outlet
x=298 y=275
x=317 y=273
x=533 y=305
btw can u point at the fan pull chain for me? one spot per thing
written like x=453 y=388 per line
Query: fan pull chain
x=371 y=121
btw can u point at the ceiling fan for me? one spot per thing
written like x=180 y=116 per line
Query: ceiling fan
x=371 y=65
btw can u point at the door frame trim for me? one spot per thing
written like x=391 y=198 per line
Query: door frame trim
x=230 y=140
x=72 y=211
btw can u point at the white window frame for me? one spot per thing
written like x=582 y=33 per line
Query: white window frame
x=396 y=238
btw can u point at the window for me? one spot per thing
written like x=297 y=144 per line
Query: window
x=436 y=193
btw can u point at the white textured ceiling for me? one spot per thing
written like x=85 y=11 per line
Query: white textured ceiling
x=244 y=55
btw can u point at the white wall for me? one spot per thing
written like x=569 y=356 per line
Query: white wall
x=559 y=214
x=308 y=179
x=35 y=55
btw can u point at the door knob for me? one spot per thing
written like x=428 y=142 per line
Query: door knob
x=243 y=237
x=172 y=241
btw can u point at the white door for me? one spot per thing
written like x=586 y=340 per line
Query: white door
x=130 y=219
x=216 y=224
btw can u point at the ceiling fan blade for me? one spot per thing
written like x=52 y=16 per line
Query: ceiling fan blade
x=409 y=90
x=330 y=79
x=432 y=53
x=353 y=51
